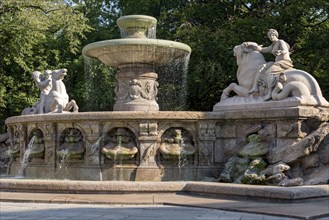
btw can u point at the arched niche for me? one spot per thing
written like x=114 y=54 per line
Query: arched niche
x=177 y=144
x=71 y=145
x=36 y=144
x=120 y=146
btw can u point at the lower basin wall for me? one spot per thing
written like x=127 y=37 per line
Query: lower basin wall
x=165 y=146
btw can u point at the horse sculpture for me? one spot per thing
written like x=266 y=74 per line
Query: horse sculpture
x=249 y=62
x=289 y=83
x=56 y=99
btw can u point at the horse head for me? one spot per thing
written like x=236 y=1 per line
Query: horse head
x=247 y=50
x=59 y=74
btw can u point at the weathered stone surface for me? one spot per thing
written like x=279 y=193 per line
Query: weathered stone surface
x=319 y=175
x=254 y=148
x=275 y=169
x=291 y=129
x=226 y=131
x=224 y=149
x=292 y=182
x=213 y=150
x=302 y=148
x=206 y=188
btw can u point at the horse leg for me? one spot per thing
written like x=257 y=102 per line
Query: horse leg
x=226 y=92
x=255 y=87
x=240 y=91
x=270 y=82
x=58 y=104
x=70 y=105
x=75 y=106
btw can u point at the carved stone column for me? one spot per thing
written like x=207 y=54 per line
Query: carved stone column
x=136 y=88
x=49 y=137
x=92 y=141
x=148 y=169
x=206 y=142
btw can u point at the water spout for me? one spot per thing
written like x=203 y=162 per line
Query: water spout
x=26 y=157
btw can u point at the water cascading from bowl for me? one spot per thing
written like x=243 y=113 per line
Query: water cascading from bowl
x=136 y=56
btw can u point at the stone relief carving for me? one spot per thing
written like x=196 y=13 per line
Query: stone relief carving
x=145 y=90
x=17 y=140
x=206 y=140
x=48 y=130
x=135 y=89
x=148 y=129
x=92 y=139
x=14 y=147
x=120 y=145
x=176 y=143
x=53 y=97
x=275 y=81
x=121 y=90
x=38 y=144
x=72 y=146
x=294 y=128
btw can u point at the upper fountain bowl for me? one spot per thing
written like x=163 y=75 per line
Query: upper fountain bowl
x=136 y=50
x=137 y=26
x=137 y=46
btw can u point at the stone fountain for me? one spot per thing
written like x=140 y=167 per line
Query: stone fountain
x=136 y=56
x=282 y=140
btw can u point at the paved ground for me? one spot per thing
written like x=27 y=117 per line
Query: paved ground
x=20 y=205
x=37 y=211
x=36 y=199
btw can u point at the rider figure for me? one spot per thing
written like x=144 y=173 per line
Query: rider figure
x=44 y=84
x=280 y=49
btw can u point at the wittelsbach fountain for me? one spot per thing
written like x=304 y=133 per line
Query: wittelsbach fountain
x=273 y=131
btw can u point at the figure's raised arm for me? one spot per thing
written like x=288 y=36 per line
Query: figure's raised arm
x=253 y=46
x=256 y=47
x=266 y=49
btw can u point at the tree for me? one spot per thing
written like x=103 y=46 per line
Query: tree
x=35 y=35
x=92 y=83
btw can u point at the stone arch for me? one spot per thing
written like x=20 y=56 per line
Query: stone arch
x=120 y=144
x=71 y=144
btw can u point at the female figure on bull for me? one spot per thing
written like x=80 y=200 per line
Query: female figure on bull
x=280 y=49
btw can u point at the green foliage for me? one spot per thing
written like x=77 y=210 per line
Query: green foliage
x=99 y=86
x=34 y=35
x=50 y=34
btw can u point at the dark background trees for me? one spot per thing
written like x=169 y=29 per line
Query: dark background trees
x=51 y=34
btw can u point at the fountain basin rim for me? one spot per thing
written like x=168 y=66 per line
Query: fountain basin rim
x=207 y=188
x=291 y=112
x=136 y=41
x=114 y=115
x=137 y=20
x=145 y=50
